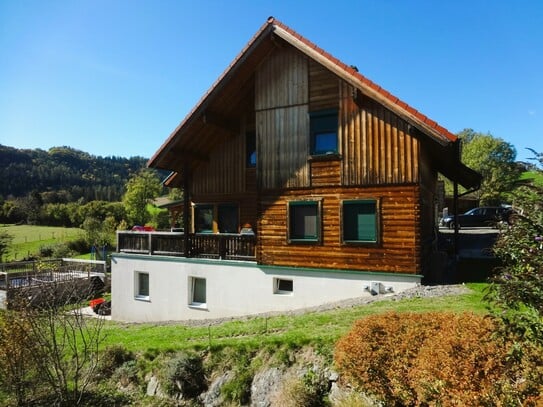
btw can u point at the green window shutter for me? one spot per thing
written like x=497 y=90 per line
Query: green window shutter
x=304 y=223
x=360 y=221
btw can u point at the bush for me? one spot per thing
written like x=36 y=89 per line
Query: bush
x=308 y=390
x=112 y=358
x=435 y=358
x=185 y=375
x=127 y=373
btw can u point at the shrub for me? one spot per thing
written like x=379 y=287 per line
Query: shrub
x=185 y=374
x=308 y=390
x=127 y=373
x=113 y=357
x=434 y=358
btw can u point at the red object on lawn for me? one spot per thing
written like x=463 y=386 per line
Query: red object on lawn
x=95 y=302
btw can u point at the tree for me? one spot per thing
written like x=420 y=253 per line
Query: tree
x=5 y=242
x=140 y=190
x=48 y=346
x=494 y=159
x=517 y=289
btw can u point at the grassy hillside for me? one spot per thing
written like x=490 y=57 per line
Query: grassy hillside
x=27 y=239
x=318 y=329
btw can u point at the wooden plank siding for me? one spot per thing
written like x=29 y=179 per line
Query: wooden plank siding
x=323 y=88
x=399 y=218
x=224 y=172
x=282 y=122
x=375 y=144
x=377 y=159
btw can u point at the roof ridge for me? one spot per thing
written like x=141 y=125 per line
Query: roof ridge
x=354 y=72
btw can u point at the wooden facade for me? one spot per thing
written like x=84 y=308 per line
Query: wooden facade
x=386 y=152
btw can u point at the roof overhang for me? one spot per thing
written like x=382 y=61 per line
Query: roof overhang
x=178 y=153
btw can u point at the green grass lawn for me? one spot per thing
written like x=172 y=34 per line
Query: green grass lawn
x=536 y=176
x=320 y=329
x=27 y=239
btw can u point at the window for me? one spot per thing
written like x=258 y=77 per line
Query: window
x=203 y=216
x=142 y=286
x=197 y=291
x=250 y=154
x=323 y=126
x=360 y=224
x=304 y=221
x=228 y=215
x=282 y=286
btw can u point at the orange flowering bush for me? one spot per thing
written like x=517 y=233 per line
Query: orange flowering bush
x=435 y=359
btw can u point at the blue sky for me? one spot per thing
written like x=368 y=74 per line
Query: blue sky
x=115 y=77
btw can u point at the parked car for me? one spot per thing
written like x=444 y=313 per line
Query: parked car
x=483 y=216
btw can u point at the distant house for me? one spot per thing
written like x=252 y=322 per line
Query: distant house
x=304 y=183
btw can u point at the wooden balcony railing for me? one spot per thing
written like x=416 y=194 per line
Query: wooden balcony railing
x=224 y=246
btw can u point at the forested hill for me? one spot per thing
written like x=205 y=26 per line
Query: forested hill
x=64 y=174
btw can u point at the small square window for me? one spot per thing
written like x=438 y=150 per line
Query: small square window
x=304 y=221
x=142 y=286
x=360 y=221
x=197 y=292
x=283 y=286
x=324 y=127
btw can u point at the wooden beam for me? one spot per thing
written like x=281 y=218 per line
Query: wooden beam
x=217 y=120
x=188 y=155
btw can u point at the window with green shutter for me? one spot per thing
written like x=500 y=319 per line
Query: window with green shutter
x=304 y=221
x=360 y=221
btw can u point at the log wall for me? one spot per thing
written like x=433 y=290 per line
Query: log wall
x=397 y=251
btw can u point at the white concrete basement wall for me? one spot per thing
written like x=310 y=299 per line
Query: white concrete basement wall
x=232 y=288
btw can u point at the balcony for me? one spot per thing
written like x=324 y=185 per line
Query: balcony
x=224 y=246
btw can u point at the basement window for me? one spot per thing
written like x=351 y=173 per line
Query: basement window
x=141 y=286
x=283 y=286
x=197 y=294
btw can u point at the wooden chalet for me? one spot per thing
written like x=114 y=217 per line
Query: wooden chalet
x=325 y=169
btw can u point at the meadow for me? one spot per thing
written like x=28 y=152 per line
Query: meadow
x=28 y=239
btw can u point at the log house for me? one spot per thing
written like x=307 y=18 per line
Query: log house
x=330 y=172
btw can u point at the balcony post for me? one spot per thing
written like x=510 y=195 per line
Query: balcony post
x=186 y=209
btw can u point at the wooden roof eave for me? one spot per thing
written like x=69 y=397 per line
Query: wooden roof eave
x=200 y=109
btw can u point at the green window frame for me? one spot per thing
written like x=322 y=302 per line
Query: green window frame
x=304 y=221
x=360 y=221
x=323 y=126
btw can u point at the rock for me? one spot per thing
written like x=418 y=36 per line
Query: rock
x=212 y=397
x=153 y=386
x=264 y=386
